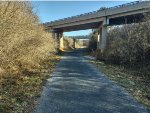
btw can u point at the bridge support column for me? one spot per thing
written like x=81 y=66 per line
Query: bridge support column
x=57 y=39
x=102 y=36
x=74 y=41
x=99 y=39
x=61 y=41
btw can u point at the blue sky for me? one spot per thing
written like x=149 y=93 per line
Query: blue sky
x=53 y=10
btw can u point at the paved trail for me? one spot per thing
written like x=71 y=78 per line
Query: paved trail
x=78 y=87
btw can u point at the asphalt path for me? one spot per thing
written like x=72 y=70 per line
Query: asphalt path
x=78 y=87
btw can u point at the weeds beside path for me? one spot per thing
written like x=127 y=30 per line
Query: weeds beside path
x=136 y=85
x=18 y=94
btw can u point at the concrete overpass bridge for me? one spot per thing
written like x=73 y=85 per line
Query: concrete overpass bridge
x=123 y=14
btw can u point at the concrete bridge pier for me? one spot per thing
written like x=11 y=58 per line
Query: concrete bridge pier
x=99 y=39
x=61 y=40
x=57 y=38
x=74 y=43
x=102 y=36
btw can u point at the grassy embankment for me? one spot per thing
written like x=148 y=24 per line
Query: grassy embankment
x=27 y=56
x=130 y=79
x=19 y=93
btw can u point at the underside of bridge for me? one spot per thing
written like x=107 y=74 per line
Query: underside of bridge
x=86 y=26
x=125 y=14
x=101 y=25
x=136 y=18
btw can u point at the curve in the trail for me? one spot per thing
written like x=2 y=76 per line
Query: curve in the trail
x=78 y=87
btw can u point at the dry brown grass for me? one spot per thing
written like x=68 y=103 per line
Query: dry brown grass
x=131 y=80
x=18 y=94
x=24 y=46
x=23 y=42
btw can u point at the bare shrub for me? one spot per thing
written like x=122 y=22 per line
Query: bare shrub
x=23 y=42
x=129 y=44
x=93 y=40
